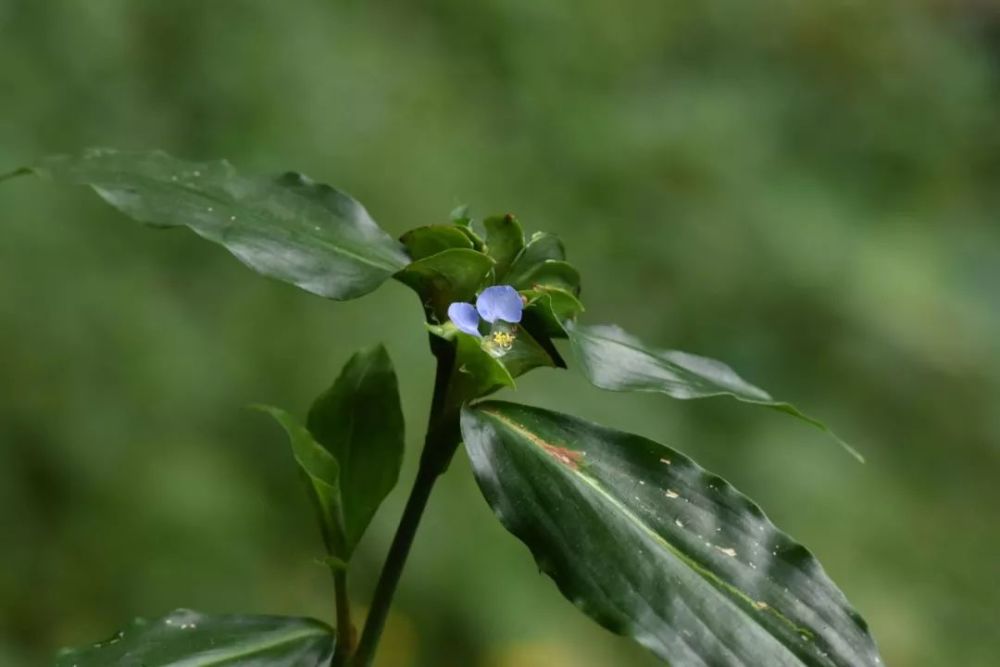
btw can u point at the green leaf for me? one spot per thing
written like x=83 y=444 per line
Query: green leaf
x=449 y=276
x=541 y=246
x=460 y=215
x=504 y=242
x=525 y=354
x=475 y=372
x=548 y=309
x=481 y=368
x=550 y=274
x=653 y=547
x=463 y=222
x=187 y=638
x=352 y=450
x=430 y=240
x=321 y=473
x=615 y=360
x=359 y=421
x=289 y=228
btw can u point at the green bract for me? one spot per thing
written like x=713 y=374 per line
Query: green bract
x=642 y=539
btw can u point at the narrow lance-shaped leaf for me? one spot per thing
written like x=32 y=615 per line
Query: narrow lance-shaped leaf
x=652 y=546
x=186 y=638
x=289 y=227
x=359 y=420
x=351 y=449
x=321 y=474
x=613 y=359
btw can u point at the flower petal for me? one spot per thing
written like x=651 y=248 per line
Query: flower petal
x=500 y=302
x=465 y=317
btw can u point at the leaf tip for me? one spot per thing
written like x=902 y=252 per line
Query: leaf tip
x=858 y=456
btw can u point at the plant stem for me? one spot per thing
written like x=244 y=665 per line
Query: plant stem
x=439 y=445
x=346 y=634
x=392 y=570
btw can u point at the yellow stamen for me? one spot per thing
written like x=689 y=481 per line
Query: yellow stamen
x=504 y=339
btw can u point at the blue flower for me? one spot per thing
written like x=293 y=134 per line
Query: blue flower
x=500 y=303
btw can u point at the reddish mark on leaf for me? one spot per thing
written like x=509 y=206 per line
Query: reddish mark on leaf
x=567 y=457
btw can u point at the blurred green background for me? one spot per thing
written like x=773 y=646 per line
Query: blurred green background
x=807 y=190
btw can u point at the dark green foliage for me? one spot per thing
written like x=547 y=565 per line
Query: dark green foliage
x=351 y=449
x=652 y=546
x=448 y=276
x=186 y=638
x=504 y=243
x=616 y=360
x=289 y=227
x=685 y=565
x=360 y=422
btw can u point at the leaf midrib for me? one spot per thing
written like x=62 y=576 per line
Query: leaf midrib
x=231 y=201
x=769 y=401
x=714 y=580
x=250 y=650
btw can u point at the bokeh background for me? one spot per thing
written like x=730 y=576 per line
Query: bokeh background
x=807 y=190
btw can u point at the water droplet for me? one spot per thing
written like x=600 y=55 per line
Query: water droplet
x=232 y=218
x=197 y=173
x=672 y=494
x=679 y=523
